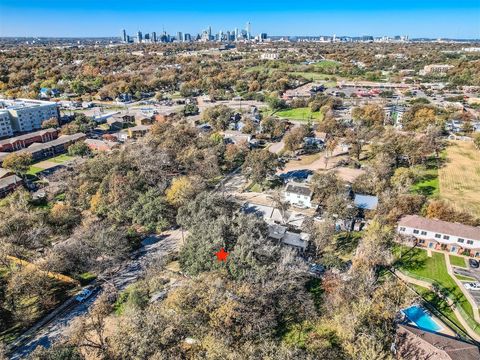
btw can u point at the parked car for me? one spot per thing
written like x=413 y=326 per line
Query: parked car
x=473 y=263
x=472 y=286
x=316 y=269
x=84 y=295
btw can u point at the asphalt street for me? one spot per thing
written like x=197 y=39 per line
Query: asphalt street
x=152 y=248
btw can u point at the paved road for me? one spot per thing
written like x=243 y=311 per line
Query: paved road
x=152 y=248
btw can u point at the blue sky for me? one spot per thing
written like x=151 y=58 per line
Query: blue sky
x=417 y=18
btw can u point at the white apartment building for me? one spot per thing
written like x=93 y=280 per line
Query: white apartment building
x=441 y=235
x=28 y=115
x=5 y=124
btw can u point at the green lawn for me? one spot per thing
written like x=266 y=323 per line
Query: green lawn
x=326 y=64
x=415 y=263
x=427 y=184
x=302 y=114
x=464 y=278
x=61 y=159
x=314 y=76
x=34 y=170
x=457 y=261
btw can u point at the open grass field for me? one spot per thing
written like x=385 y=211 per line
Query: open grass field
x=300 y=114
x=327 y=64
x=460 y=177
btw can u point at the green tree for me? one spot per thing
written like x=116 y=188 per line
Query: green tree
x=259 y=164
x=18 y=162
x=152 y=212
x=50 y=124
x=80 y=148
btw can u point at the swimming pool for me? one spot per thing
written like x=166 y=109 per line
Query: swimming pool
x=421 y=318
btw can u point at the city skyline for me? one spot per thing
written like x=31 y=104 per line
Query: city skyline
x=280 y=18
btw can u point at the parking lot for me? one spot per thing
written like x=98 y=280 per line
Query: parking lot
x=473 y=273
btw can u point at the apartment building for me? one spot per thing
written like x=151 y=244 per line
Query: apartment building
x=27 y=115
x=25 y=140
x=5 y=124
x=441 y=235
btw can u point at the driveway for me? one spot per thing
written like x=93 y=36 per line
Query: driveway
x=152 y=248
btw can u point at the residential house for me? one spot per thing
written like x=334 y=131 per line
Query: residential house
x=144 y=121
x=299 y=195
x=138 y=131
x=272 y=215
x=441 y=235
x=101 y=145
x=298 y=241
x=163 y=117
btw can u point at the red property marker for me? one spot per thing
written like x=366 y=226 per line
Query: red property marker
x=222 y=255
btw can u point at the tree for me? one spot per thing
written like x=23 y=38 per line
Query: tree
x=218 y=116
x=324 y=185
x=374 y=248
x=152 y=212
x=369 y=115
x=438 y=209
x=51 y=123
x=294 y=139
x=276 y=103
x=18 y=162
x=181 y=191
x=88 y=332
x=190 y=109
x=259 y=164
x=79 y=148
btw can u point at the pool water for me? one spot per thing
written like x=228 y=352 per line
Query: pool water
x=421 y=318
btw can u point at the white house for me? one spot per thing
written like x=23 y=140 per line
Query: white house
x=299 y=194
x=441 y=235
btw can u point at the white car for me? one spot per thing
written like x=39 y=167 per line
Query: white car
x=83 y=295
x=472 y=286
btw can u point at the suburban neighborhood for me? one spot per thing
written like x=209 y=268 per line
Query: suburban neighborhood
x=235 y=195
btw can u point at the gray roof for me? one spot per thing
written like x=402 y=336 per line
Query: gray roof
x=367 y=202
x=26 y=136
x=4 y=172
x=299 y=189
x=440 y=226
x=64 y=139
x=9 y=180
